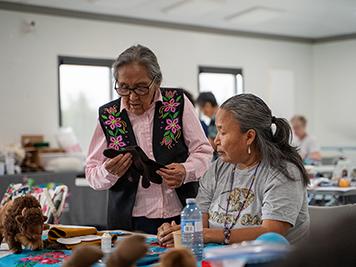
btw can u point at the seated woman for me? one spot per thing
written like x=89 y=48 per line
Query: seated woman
x=257 y=185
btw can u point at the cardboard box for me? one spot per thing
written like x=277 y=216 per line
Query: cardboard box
x=28 y=140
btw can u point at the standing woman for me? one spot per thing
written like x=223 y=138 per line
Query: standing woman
x=164 y=124
x=258 y=184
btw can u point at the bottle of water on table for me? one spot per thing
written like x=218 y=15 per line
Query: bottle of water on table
x=106 y=246
x=192 y=228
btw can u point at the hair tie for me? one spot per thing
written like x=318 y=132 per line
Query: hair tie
x=274 y=119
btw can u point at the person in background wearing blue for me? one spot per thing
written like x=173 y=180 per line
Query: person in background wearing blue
x=208 y=105
x=191 y=99
x=258 y=183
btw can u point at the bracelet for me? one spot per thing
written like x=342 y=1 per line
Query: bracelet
x=227 y=235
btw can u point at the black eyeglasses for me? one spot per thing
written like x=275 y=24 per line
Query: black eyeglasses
x=139 y=90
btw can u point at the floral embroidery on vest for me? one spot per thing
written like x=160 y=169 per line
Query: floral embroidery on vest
x=170 y=118
x=115 y=126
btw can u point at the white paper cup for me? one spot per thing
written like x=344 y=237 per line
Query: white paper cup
x=177 y=237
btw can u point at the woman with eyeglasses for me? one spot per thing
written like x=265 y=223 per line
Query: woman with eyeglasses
x=257 y=185
x=164 y=124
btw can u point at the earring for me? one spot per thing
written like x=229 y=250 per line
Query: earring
x=249 y=150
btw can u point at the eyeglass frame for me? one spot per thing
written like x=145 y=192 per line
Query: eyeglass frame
x=148 y=87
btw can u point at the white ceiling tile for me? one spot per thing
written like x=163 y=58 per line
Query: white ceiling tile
x=303 y=18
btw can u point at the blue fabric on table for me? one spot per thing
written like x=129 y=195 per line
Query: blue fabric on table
x=54 y=258
x=28 y=258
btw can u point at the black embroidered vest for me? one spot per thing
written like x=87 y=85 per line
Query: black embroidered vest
x=168 y=147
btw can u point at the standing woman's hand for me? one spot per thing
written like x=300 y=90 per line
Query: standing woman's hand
x=173 y=174
x=119 y=165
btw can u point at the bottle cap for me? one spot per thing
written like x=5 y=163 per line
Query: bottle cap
x=190 y=200
x=106 y=235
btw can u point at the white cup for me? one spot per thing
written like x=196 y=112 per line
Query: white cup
x=2 y=168
x=10 y=165
x=177 y=238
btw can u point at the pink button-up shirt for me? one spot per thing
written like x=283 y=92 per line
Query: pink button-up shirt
x=157 y=201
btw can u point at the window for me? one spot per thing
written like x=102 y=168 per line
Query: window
x=222 y=82
x=84 y=85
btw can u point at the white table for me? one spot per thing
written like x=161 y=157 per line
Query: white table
x=4 y=250
x=324 y=170
x=332 y=190
x=343 y=193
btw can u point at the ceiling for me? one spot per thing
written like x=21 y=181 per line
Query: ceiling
x=312 y=19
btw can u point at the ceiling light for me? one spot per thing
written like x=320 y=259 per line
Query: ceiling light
x=254 y=15
x=192 y=7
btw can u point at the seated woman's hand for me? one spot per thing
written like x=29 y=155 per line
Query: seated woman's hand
x=119 y=165
x=173 y=174
x=165 y=234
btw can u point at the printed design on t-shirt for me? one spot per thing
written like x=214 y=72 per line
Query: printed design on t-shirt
x=249 y=219
x=237 y=197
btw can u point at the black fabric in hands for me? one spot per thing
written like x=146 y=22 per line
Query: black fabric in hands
x=142 y=165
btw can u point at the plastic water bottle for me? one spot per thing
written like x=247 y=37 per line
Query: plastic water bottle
x=10 y=164
x=192 y=228
x=106 y=245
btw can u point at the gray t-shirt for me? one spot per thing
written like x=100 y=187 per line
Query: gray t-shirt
x=273 y=197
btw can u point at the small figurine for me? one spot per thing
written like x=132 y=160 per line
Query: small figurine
x=128 y=251
x=83 y=256
x=181 y=257
x=21 y=223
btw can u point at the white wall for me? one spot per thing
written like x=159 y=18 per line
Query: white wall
x=334 y=69
x=28 y=63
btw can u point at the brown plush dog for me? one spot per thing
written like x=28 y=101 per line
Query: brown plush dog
x=180 y=257
x=21 y=223
x=128 y=251
x=83 y=256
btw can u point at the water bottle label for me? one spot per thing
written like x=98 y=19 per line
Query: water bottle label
x=188 y=227
x=198 y=227
x=191 y=227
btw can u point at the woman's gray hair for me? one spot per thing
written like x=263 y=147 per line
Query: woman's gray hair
x=251 y=112
x=141 y=55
